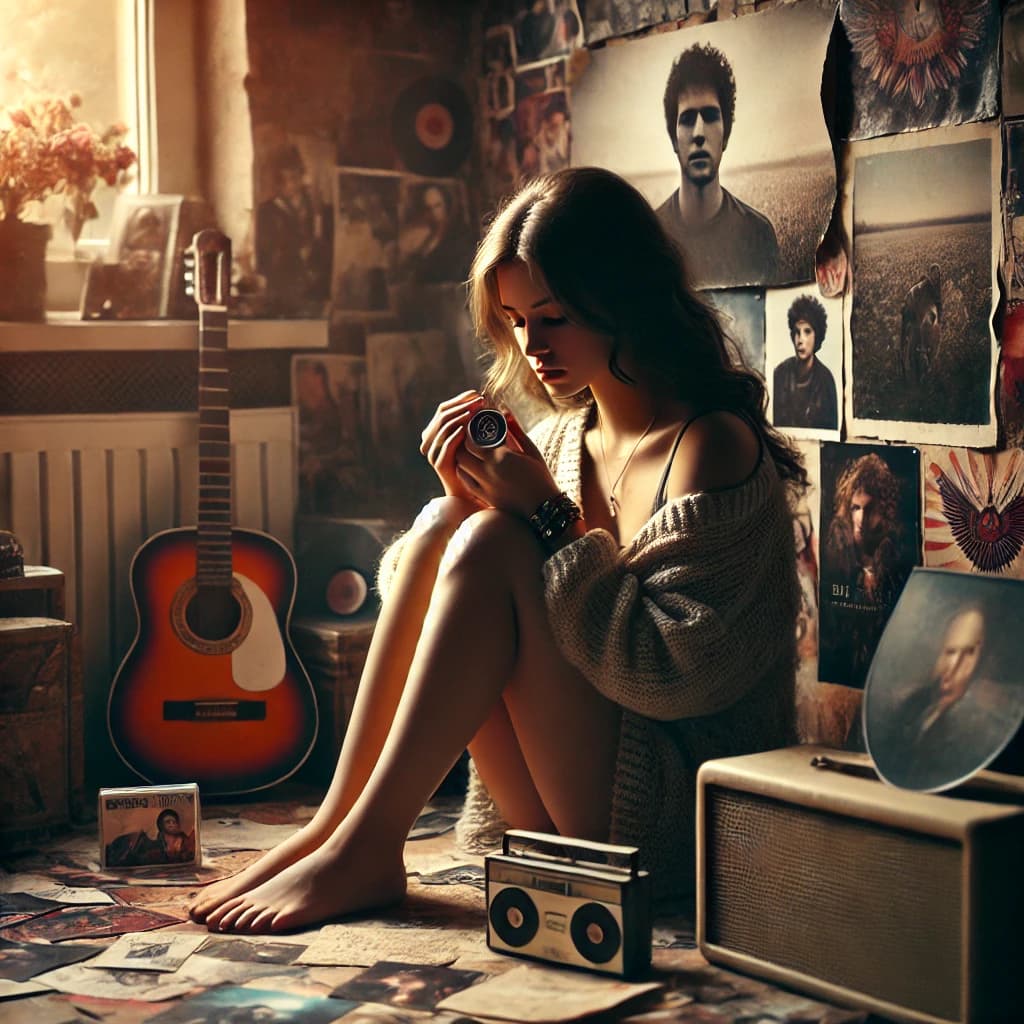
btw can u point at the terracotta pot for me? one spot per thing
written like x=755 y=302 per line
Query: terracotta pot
x=23 y=270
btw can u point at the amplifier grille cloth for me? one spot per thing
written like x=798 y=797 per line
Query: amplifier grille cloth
x=861 y=905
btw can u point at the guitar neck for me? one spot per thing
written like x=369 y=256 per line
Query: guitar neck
x=215 y=514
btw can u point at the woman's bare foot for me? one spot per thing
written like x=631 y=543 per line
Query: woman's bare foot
x=271 y=863
x=337 y=878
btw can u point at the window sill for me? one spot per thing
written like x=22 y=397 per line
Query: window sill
x=64 y=332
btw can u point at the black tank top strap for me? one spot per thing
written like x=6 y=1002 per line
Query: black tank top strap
x=661 y=496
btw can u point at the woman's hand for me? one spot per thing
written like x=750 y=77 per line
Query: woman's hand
x=443 y=437
x=513 y=477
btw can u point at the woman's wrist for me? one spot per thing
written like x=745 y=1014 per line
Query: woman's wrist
x=554 y=518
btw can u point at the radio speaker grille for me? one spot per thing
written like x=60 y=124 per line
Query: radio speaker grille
x=864 y=906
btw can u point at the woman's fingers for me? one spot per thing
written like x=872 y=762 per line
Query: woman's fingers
x=451 y=408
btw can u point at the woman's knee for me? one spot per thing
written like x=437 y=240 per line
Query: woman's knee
x=491 y=538
x=438 y=520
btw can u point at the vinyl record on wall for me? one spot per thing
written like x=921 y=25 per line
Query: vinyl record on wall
x=431 y=126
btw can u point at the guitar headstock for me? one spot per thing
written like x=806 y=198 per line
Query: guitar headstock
x=208 y=269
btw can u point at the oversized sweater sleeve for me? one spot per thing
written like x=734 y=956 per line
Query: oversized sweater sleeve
x=693 y=613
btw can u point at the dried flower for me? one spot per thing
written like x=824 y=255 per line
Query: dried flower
x=46 y=151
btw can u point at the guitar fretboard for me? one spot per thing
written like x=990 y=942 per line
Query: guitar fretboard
x=213 y=560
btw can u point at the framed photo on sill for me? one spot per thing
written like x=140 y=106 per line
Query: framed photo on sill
x=142 y=277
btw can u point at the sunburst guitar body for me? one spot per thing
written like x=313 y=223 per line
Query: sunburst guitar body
x=211 y=690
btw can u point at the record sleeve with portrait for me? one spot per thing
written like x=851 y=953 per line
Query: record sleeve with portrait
x=149 y=826
x=945 y=693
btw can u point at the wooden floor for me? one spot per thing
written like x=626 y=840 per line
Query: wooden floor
x=441 y=922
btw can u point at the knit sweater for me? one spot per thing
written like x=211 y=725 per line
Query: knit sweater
x=689 y=628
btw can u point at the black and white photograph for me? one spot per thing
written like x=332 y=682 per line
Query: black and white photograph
x=804 y=361
x=870 y=525
x=20 y=961
x=974 y=510
x=946 y=691
x=146 y=951
x=921 y=355
x=435 y=240
x=251 y=951
x=411 y=986
x=365 y=239
x=921 y=63
x=741 y=312
x=731 y=149
x=294 y=225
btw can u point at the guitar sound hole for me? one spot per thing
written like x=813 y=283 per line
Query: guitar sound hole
x=213 y=613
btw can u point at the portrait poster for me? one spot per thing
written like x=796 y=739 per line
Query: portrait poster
x=777 y=171
x=543 y=120
x=409 y=374
x=946 y=691
x=365 y=239
x=1013 y=59
x=499 y=160
x=974 y=510
x=922 y=64
x=921 y=353
x=435 y=241
x=741 y=312
x=332 y=396
x=804 y=361
x=870 y=529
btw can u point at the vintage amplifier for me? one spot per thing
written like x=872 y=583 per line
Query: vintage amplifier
x=814 y=874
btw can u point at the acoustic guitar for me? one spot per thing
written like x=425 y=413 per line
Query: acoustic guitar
x=211 y=690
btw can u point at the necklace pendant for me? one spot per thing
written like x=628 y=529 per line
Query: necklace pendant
x=611 y=506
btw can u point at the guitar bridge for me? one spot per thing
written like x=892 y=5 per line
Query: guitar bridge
x=215 y=710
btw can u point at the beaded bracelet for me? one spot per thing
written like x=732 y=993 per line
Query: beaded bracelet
x=554 y=516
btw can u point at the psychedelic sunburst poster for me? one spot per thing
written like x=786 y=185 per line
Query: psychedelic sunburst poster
x=974 y=510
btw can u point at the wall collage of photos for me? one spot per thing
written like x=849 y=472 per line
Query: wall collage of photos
x=868 y=175
x=872 y=268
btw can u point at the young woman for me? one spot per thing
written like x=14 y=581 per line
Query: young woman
x=595 y=609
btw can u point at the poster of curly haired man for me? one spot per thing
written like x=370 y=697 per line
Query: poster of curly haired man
x=870 y=528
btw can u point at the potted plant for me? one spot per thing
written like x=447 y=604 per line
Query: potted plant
x=45 y=151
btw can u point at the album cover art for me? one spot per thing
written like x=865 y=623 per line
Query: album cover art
x=974 y=510
x=20 y=961
x=921 y=64
x=88 y=923
x=149 y=826
x=414 y=986
x=870 y=522
x=252 y=1005
x=946 y=690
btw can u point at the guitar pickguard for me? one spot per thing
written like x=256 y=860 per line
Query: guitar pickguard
x=258 y=662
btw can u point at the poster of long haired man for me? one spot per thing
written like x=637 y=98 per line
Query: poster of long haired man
x=925 y=222
x=871 y=524
x=731 y=149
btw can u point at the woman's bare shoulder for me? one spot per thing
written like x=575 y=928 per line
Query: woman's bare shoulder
x=718 y=450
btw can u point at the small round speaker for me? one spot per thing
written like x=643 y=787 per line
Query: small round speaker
x=595 y=933
x=513 y=916
x=488 y=428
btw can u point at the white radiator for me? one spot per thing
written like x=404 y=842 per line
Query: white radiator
x=82 y=493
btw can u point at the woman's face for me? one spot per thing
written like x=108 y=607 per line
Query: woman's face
x=566 y=357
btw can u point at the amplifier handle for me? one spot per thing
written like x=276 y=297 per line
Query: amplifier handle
x=563 y=847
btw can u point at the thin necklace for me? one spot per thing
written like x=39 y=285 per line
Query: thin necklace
x=613 y=502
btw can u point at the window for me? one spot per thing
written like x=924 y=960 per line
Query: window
x=86 y=47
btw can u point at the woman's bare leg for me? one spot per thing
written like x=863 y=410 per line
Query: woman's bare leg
x=380 y=687
x=485 y=636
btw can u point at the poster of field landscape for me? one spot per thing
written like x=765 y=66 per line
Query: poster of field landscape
x=921 y=354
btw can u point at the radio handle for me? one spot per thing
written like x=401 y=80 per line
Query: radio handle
x=599 y=853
